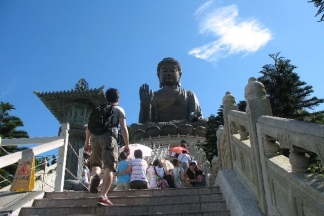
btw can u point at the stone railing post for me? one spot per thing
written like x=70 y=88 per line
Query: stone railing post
x=229 y=104
x=61 y=161
x=257 y=105
x=219 y=135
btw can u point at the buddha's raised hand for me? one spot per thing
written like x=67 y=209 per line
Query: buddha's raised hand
x=146 y=95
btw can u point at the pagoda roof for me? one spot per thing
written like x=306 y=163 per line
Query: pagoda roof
x=57 y=101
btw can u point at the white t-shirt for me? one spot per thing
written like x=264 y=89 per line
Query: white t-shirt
x=184 y=158
x=152 y=176
x=139 y=167
x=118 y=112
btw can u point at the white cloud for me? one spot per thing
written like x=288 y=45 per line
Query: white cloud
x=233 y=35
x=203 y=8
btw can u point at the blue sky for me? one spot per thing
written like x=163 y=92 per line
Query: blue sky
x=49 y=45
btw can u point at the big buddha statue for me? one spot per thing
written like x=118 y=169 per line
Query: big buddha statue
x=170 y=104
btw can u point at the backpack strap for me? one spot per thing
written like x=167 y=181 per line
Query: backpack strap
x=156 y=173
x=181 y=159
x=109 y=125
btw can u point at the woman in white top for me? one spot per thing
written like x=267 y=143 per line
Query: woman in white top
x=137 y=167
x=152 y=175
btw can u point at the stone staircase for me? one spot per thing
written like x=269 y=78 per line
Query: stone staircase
x=176 y=201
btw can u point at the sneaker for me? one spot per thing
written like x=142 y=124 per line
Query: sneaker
x=94 y=184
x=102 y=201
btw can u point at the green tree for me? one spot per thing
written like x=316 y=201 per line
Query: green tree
x=320 y=5
x=8 y=125
x=289 y=97
x=210 y=146
x=241 y=106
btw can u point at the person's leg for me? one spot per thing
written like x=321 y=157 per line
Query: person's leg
x=126 y=186
x=118 y=187
x=144 y=185
x=96 y=163
x=107 y=181
x=110 y=160
x=96 y=170
x=131 y=186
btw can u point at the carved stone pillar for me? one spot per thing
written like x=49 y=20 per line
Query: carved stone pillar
x=229 y=104
x=257 y=105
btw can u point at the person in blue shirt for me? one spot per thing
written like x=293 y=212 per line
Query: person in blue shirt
x=123 y=180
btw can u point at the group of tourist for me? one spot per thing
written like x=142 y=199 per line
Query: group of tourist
x=139 y=174
x=164 y=105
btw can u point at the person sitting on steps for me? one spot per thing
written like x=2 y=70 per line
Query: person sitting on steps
x=137 y=167
x=196 y=175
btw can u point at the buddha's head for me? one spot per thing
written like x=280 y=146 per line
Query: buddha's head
x=169 y=72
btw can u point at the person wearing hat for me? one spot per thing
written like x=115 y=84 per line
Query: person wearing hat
x=195 y=175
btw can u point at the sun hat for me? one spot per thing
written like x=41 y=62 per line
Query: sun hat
x=193 y=163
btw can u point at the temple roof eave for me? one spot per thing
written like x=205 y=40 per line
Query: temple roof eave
x=58 y=101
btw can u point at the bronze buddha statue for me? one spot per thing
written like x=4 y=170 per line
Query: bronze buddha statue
x=170 y=104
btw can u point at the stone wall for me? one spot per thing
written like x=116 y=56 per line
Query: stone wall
x=250 y=144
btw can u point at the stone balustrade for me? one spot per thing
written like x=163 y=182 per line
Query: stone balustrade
x=250 y=145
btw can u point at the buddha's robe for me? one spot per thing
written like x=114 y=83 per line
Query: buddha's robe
x=173 y=104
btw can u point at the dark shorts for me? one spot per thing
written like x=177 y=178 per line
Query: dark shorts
x=138 y=184
x=104 y=151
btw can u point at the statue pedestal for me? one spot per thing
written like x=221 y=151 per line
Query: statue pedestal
x=155 y=129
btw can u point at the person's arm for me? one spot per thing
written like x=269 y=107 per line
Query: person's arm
x=198 y=179
x=182 y=176
x=87 y=140
x=124 y=130
x=125 y=171
x=88 y=174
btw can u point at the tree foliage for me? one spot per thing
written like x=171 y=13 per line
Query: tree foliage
x=320 y=5
x=8 y=125
x=289 y=96
x=210 y=146
x=241 y=106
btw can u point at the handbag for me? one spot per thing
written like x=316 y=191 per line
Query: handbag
x=169 y=179
x=161 y=182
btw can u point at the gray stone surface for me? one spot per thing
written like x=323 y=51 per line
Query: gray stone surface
x=239 y=200
x=131 y=200
x=178 y=201
x=11 y=202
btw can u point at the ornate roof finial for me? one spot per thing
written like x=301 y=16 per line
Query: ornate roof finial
x=82 y=85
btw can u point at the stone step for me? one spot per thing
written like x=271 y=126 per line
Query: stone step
x=211 y=208
x=211 y=213
x=130 y=200
x=147 y=192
